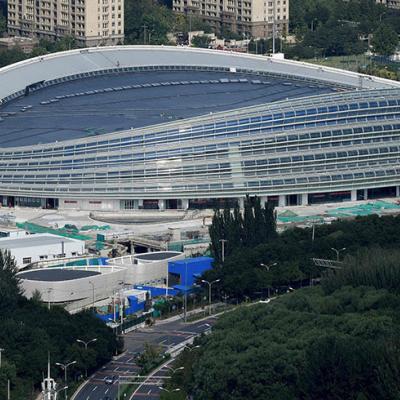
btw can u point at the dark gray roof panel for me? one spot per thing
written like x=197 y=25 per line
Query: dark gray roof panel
x=56 y=275
x=98 y=105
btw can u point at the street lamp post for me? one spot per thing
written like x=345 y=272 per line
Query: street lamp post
x=86 y=347
x=185 y=298
x=1 y=350
x=49 y=290
x=191 y=348
x=169 y=391
x=92 y=284
x=173 y=370
x=268 y=267
x=223 y=241
x=65 y=368
x=209 y=292
x=338 y=252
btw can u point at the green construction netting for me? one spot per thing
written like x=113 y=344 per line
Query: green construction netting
x=95 y=227
x=301 y=219
x=363 y=209
x=288 y=213
x=35 y=228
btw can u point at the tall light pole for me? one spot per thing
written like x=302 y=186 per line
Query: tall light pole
x=338 y=252
x=86 y=346
x=185 y=298
x=209 y=292
x=274 y=27
x=169 y=391
x=92 y=284
x=65 y=368
x=190 y=29
x=268 y=267
x=49 y=290
x=173 y=370
x=223 y=241
x=1 y=350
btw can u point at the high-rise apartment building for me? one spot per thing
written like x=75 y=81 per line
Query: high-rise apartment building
x=250 y=18
x=91 y=22
x=390 y=3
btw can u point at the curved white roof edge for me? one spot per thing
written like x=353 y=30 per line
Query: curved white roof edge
x=16 y=77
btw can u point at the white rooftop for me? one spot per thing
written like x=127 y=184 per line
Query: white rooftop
x=37 y=240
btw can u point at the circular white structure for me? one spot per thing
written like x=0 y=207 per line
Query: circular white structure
x=80 y=286
x=128 y=127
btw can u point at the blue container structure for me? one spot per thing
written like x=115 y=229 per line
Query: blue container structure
x=188 y=270
x=134 y=307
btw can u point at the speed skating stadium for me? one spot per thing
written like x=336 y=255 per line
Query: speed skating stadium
x=146 y=127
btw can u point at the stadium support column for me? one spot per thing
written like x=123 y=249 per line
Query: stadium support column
x=161 y=204
x=140 y=203
x=282 y=200
x=241 y=202
x=397 y=191
x=185 y=204
x=353 y=195
x=304 y=199
x=365 y=194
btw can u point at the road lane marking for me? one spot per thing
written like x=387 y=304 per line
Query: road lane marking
x=94 y=388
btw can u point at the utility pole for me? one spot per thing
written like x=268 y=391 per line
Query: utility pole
x=49 y=385
x=144 y=33
x=8 y=389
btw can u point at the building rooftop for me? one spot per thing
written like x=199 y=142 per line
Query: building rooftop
x=56 y=274
x=38 y=240
x=157 y=256
x=93 y=106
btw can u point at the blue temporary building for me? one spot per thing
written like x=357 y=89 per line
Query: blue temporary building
x=188 y=269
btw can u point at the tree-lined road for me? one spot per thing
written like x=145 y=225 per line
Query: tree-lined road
x=166 y=335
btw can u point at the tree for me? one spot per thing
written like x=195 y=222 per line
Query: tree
x=201 y=41
x=384 y=40
x=147 y=21
x=3 y=24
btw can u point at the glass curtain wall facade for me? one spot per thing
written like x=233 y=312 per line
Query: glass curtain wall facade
x=322 y=144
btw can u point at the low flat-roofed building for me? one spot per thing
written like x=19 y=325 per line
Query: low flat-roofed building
x=26 y=44
x=11 y=232
x=40 y=247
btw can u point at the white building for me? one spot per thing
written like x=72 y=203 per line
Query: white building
x=11 y=232
x=41 y=247
x=76 y=287
x=146 y=268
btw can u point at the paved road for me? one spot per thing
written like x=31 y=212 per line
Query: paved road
x=166 y=335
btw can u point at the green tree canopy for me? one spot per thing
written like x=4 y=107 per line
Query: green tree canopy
x=384 y=40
